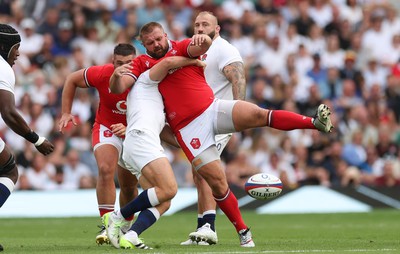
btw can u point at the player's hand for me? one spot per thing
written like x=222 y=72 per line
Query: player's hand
x=123 y=69
x=198 y=39
x=65 y=119
x=118 y=129
x=200 y=63
x=45 y=148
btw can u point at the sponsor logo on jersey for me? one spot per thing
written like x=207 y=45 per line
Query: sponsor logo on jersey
x=195 y=143
x=203 y=57
x=121 y=106
x=147 y=63
x=173 y=52
x=107 y=133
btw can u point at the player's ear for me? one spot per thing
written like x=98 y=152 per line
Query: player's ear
x=217 y=28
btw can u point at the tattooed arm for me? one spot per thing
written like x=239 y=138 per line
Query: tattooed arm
x=235 y=73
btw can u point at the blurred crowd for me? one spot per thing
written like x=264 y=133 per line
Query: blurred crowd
x=297 y=53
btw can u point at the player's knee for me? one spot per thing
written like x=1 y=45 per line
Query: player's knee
x=10 y=169
x=169 y=191
x=260 y=117
x=163 y=207
x=106 y=171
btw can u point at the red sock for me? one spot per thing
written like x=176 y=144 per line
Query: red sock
x=130 y=218
x=229 y=205
x=287 y=120
x=103 y=209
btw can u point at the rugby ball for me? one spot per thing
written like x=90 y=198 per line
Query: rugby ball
x=263 y=186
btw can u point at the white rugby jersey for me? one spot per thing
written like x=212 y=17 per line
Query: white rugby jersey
x=7 y=76
x=220 y=54
x=145 y=108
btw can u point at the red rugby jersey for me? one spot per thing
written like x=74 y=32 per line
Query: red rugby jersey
x=185 y=91
x=112 y=107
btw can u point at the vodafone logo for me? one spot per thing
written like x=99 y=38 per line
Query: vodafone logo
x=107 y=133
x=195 y=143
x=121 y=106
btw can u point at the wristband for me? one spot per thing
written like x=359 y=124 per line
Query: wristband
x=40 y=141
x=32 y=136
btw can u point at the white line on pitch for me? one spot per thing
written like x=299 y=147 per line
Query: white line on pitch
x=304 y=251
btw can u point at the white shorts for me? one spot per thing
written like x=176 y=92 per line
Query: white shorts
x=141 y=148
x=101 y=135
x=221 y=141
x=2 y=145
x=201 y=133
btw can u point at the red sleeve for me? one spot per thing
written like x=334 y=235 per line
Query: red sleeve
x=94 y=75
x=183 y=47
x=139 y=66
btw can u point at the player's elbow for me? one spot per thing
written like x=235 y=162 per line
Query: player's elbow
x=169 y=62
x=8 y=113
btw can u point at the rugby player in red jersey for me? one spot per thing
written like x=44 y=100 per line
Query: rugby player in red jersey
x=107 y=133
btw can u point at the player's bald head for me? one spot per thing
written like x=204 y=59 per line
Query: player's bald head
x=206 y=23
x=209 y=16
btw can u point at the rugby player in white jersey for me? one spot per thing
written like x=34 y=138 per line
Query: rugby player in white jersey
x=143 y=154
x=9 y=45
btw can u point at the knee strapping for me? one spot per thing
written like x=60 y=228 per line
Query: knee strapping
x=207 y=156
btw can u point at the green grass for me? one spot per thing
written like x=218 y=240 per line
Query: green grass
x=375 y=232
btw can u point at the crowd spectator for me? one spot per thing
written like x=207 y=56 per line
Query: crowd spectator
x=297 y=54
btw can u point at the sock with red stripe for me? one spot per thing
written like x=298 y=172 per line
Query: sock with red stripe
x=105 y=208
x=287 y=120
x=229 y=205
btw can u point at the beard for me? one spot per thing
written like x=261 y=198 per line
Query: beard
x=212 y=34
x=158 y=53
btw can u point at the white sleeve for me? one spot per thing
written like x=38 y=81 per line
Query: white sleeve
x=228 y=54
x=145 y=78
x=7 y=81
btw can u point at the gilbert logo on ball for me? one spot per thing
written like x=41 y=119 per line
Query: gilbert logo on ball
x=263 y=186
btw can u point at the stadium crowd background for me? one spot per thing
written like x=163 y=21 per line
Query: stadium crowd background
x=297 y=53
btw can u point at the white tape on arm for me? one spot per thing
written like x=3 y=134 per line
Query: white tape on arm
x=40 y=141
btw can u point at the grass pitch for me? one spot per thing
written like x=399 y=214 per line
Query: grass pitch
x=375 y=232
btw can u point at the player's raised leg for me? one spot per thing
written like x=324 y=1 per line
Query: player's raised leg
x=247 y=115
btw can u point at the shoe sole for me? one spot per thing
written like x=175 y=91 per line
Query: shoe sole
x=323 y=113
x=101 y=239
x=202 y=239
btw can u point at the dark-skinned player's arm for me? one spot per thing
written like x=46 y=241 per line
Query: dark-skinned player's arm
x=15 y=121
